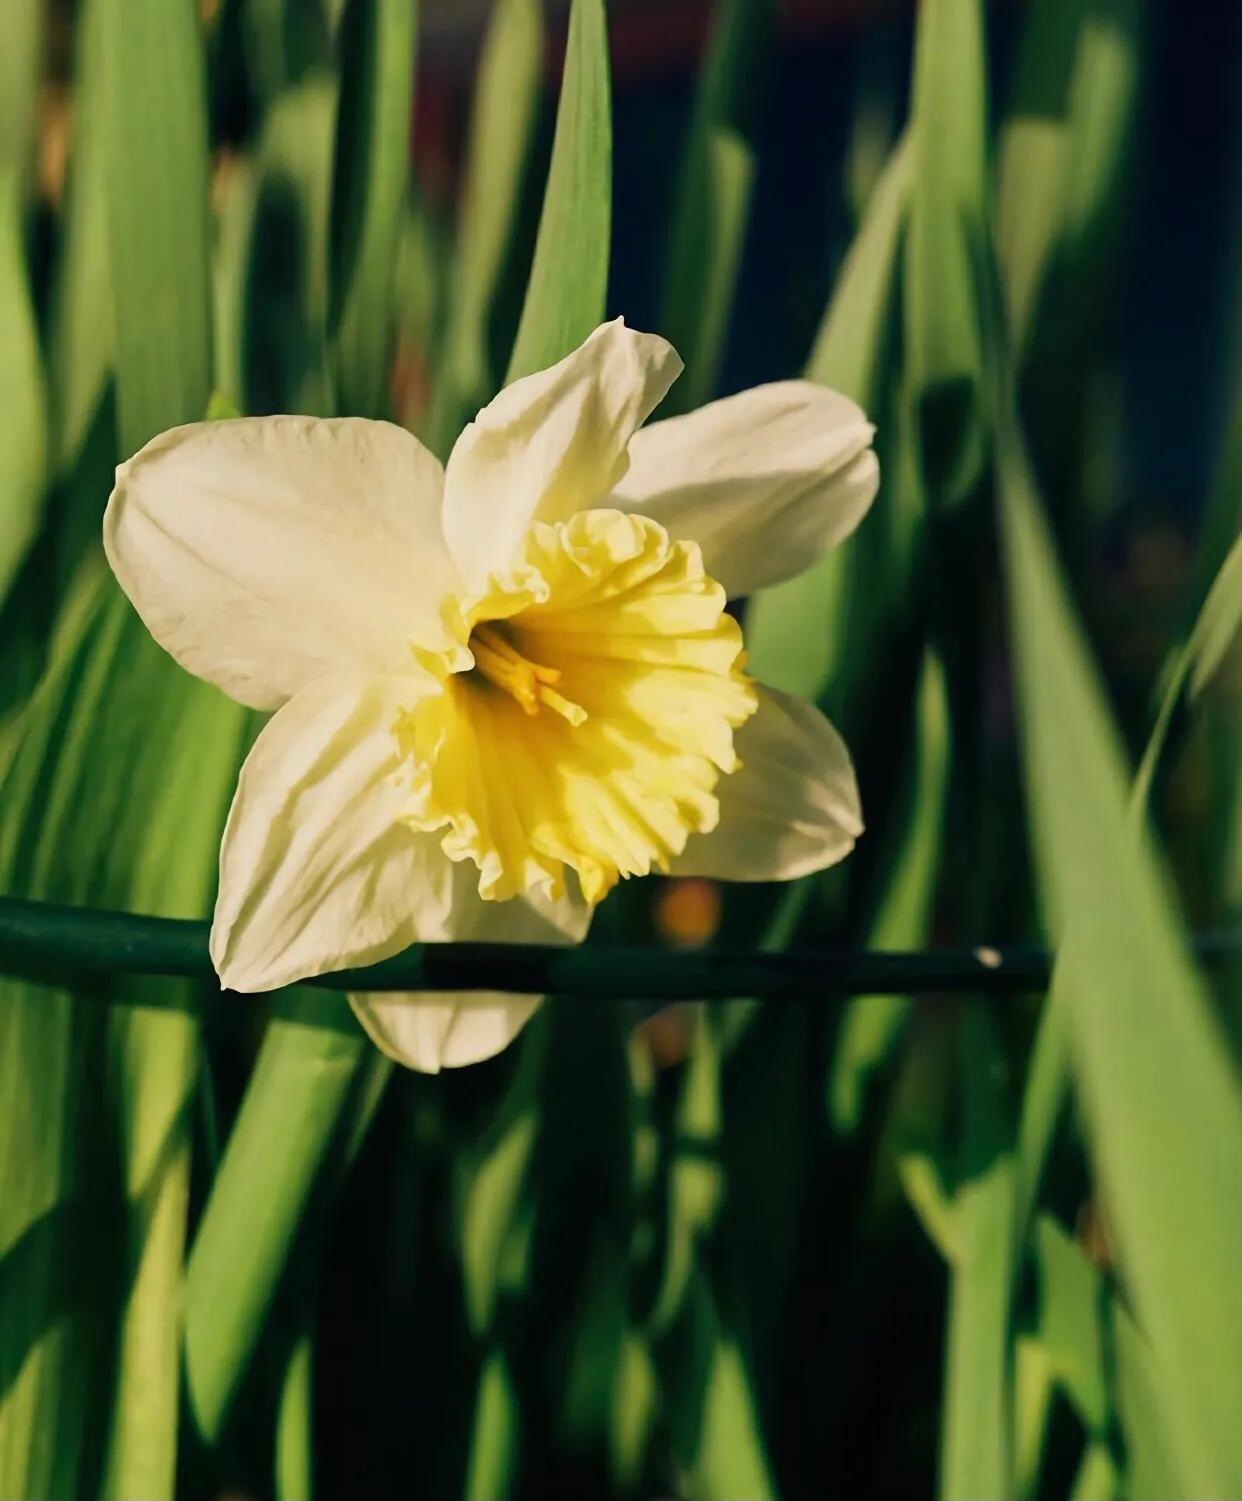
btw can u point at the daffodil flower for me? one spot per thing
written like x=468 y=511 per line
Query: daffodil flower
x=502 y=685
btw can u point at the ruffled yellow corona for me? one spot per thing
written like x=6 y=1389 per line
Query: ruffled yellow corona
x=589 y=716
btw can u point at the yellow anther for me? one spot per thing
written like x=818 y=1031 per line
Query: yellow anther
x=529 y=683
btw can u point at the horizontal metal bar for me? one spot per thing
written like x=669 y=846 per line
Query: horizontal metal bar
x=43 y=941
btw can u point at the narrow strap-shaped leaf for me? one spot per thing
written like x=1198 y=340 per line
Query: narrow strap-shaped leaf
x=284 y=309
x=946 y=245
x=308 y=1071
x=1032 y=160
x=1161 y=1098
x=975 y=1445
x=854 y=335
x=908 y=880
x=23 y=445
x=188 y=738
x=154 y=125
x=713 y=198
x=1104 y=1365
x=1048 y=1073
x=24 y=441
x=372 y=172
x=795 y=632
x=569 y=275
x=81 y=334
x=502 y=127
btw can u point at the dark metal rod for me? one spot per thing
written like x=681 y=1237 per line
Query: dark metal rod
x=48 y=942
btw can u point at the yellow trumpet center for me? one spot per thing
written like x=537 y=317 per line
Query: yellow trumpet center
x=585 y=710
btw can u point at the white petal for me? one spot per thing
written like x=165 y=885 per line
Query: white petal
x=765 y=482
x=793 y=808
x=316 y=873
x=265 y=552
x=551 y=444
x=433 y=1031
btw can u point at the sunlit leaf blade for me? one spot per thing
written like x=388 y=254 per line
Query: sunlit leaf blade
x=796 y=632
x=1222 y=521
x=372 y=170
x=717 y=1441
x=283 y=40
x=495 y=1190
x=50 y=1051
x=189 y=737
x=21 y=68
x=489 y=1471
x=713 y=198
x=975 y=1443
x=1103 y=1364
x=1162 y=1100
x=236 y=195
x=873 y=1024
x=307 y=1074
x=1033 y=158
x=155 y=142
x=854 y=336
x=295 y=1421
x=569 y=274
x=502 y=125
x=23 y=436
x=946 y=245
x=283 y=337
x=154 y=1065
x=1047 y=1079
x=1193 y=667
x=81 y=335
x=1105 y=99
x=114 y=736
x=1064 y=163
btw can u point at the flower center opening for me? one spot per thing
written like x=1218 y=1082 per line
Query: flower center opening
x=530 y=683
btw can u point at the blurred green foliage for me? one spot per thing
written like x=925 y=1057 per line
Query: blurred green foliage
x=728 y=1252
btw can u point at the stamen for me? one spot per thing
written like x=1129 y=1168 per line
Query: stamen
x=530 y=683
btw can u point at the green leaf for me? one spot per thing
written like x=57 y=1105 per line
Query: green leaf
x=1064 y=170
x=495 y=1430
x=873 y=1024
x=1161 y=1098
x=1105 y=98
x=21 y=69
x=22 y=451
x=23 y=448
x=947 y=245
x=372 y=170
x=81 y=339
x=569 y=275
x=284 y=332
x=179 y=739
x=854 y=338
x=306 y=1083
x=975 y=1458
x=712 y=1413
x=502 y=126
x=798 y=634
x=1198 y=661
x=295 y=1420
x=1047 y=1076
x=1033 y=161
x=713 y=198
x=1105 y=1367
x=154 y=129
x=113 y=796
